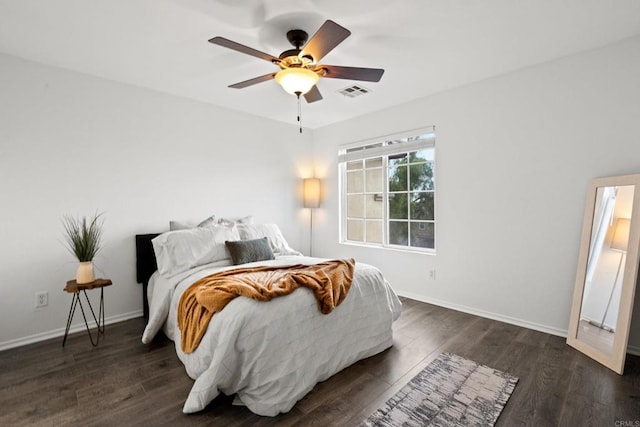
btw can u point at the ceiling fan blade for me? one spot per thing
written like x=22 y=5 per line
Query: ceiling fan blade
x=253 y=81
x=230 y=44
x=351 y=73
x=313 y=95
x=324 y=40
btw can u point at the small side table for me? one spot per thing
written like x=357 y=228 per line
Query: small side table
x=74 y=288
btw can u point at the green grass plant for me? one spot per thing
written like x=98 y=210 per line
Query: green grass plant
x=83 y=235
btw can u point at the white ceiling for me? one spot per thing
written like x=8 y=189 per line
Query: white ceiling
x=425 y=46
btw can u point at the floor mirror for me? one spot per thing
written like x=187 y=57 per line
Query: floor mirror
x=607 y=270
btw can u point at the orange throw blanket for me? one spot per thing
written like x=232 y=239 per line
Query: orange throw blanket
x=330 y=282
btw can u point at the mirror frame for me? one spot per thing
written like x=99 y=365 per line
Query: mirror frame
x=616 y=360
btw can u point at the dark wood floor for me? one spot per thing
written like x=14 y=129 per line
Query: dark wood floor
x=123 y=382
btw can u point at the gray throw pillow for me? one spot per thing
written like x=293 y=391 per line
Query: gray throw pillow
x=245 y=251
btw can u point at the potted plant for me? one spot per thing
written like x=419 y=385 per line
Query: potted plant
x=84 y=239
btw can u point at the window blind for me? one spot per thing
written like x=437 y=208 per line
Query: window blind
x=393 y=144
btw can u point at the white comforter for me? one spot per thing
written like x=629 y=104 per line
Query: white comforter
x=271 y=354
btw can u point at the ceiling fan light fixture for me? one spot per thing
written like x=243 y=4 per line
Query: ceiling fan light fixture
x=296 y=80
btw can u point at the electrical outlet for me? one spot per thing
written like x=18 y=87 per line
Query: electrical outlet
x=432 y=274
x=42 y=299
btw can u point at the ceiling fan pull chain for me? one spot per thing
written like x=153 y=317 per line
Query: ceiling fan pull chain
x=299 y=112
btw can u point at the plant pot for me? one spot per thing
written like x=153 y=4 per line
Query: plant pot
x=84 y=274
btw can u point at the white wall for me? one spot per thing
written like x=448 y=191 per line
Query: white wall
x=74 y=144
x=514 y=156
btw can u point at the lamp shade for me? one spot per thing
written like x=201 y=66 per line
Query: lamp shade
x=311 y=193
x=296 y=81
x=620 y=238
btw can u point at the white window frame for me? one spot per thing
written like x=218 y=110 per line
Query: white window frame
x=372 y=148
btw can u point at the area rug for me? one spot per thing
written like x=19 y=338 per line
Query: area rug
x=450 y=391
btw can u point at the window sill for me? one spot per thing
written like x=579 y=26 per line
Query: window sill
x=431 y=252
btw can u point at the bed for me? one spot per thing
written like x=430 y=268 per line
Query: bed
x=269 y=354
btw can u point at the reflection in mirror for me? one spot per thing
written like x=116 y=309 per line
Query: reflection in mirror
x=607 y=250
x=607 y=270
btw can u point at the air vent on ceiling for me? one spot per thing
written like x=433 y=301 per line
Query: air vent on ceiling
x=353 y=91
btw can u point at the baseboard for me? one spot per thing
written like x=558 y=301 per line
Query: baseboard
x=18 y=342
x=631 y=349
x=488 y=314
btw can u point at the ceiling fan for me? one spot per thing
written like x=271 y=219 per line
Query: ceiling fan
x=299 y=68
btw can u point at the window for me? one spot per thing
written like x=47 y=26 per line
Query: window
x=388 y=192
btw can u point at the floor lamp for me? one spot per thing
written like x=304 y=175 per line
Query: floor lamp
x=311 y=199
x=619 y=243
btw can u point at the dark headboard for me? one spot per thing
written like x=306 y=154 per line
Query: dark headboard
x=145 y=264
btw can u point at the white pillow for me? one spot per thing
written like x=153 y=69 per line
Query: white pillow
x=178 y=251
x=184 y=225
x=278 y=243
x=209 y=222
x=181 y=225
x=235 y=220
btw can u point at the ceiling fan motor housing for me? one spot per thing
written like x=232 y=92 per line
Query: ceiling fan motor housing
x=290 y=58
x=288 y=53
